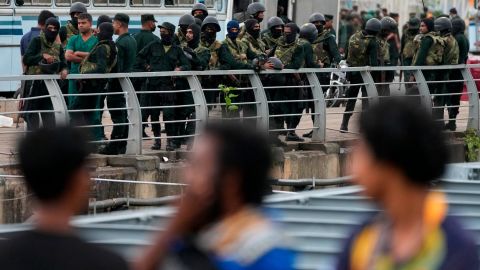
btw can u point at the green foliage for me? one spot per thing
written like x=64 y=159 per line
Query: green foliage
x=472 y=142
x=228 y=96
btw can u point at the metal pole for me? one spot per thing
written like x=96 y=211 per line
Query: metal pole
x=320 y=121
x=134 y=144
x=474 y=109
x=201 y=111
x=58 y=102
x=423 y=90
x=371 y=88
x=262 y=105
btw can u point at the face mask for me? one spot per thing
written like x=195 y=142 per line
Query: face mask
x=74 y=22
x=183 y=29
x=166 y=39
x=50 y=35
x=289 y=38
x=259 y=19
x=233 y=35
x=210 y=37
x=276 y=33
x=254 y=33
x=200 y=16
x=319 y=28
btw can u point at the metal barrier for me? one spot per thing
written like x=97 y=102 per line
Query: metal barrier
x=200 y=85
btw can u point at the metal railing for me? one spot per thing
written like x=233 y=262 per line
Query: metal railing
x=207 y=103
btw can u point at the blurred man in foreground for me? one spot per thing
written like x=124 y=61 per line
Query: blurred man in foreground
x=53 y=162
x=400 y=153
x=219 y=224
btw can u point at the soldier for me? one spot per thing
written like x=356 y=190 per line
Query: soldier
x=126 y=53
x=101 y=19
x=362 y=51
x=101 y=60
x=71 y=29
x=273 y=34
x=200 y=11
x=385 y=41
x=254 y=11
x=291 y=54
x=143 y=38
x=456 y=88
x=158 y=56
x=180 y=37
x=78 y=48
x=43 y=56
x=408 y=48
x=329 y=24
x=252 y=39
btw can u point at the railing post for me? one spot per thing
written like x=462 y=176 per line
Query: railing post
x=423 y=90
x=134 y=143
x=58 y=102
x=201 y=111
x=262 y=105
x=474 y=108
x=370 y=86
x=320 y=117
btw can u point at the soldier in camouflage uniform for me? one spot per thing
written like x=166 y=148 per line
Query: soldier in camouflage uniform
x=101 y=60
x=252 y=39
x=200 y=11
x=384 y=59
x=362 y=51
x=254 y=11
x=180 y=37
x=43 y=56
x=71 y=29
x=272 y=36
x=456 y=88
x=408 y=48
x=159 y=56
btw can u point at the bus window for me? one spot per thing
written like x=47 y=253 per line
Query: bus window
x=188 y=3
x=37 y=3
x=145 y=2
x=67 y=3
x=109 y=3
x=240 y=9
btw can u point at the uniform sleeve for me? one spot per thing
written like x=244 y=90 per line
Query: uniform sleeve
x=63 y=61
x=373 y=52
x=33 y=54
x=309 y=59
x=183 y=62
x=71 y=43
x=425 y=45
x=463 y=50
x=121 y=56
x=101 y=58
x=227 y=60
x=200 y=60
x=63 y=34
x=142 y=59
x=297 y=59
x=334 y=53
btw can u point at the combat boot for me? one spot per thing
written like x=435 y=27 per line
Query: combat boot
x=344 y=125
x=451 y=125
x=171 y=145
x=293 y=137
x=157 y=145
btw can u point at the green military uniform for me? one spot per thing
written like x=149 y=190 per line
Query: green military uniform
x=269 y=41
x=451 y=57
x=33 y=56
x=408 y=48
x=126 y=54
x=255 y=46
x=143 y=38
x=77 y=44
x=326 y=52
x=161 y=57
x=101 y=60
x=180 y=39
x=383 y=57
x=66 y=32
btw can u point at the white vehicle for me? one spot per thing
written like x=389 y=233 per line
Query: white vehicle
x=337 y=90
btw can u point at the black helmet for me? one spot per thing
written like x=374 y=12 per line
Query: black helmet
x=277 y=63
x=458 y=25
x=78 y=7
x=373 y=25
x=388 y=23
x=316 y=17
x=200 y=6
x=254 y=8
x=47 y=68
x=186 y=19
x=274 y=21
x=414 y=23
x=309 y=32
x=211 y=20
x=442 y=24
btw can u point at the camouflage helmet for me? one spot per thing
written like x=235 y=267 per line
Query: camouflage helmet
x=254 y=8
x=373 y=25
x=388 y=23
x=458 y=25
x=316 y=17
x=274 y=21
x=200 y=6
x=47 y=68
x=277 y=63
x=186 y=19
x=309 y=32
x=442 y=24
x=211 y=20
x=78 y=7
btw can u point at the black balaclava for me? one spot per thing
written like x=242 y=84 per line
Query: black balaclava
x=210 y=37
x=167 y=38
x=196 y=35
x=319 y=27
x=201 y=16
x=106 y=31
x=74 y=21
x=183 y=28
x=51 y=35
x=289 y=38
x=276 y=33
x=249 y=25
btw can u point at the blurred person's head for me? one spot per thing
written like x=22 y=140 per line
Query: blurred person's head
x=426 y=26
x=400 y=148
x=148 y=22
x=53 y=162
x=232 y=164
x=453 y=12
x=120 y=23
x=103 y=18
x=84 y=23
x=43 y=17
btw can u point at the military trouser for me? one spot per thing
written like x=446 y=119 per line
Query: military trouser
x=352 y=94
x=119 y=116
x=276 y=122
x=455 y=89
x=185 y=113
x=89 y=102
x=169 y=114
x=436 y=89
x=382 y=78
x=407 y=74
x=140 y=85
x=211 y=82
x=35 y=89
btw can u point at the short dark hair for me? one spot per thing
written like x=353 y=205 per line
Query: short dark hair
x=246 y=151
x=403 y=134
x=103 y=18
x=49 y=158
x=85 y=16
x=44 y=16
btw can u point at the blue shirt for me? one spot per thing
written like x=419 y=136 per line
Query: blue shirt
x=25 y=41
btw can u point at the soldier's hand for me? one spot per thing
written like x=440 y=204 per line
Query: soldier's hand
x=178 y=69
x=63 y=74
x=48 y=58
x=268 y=65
